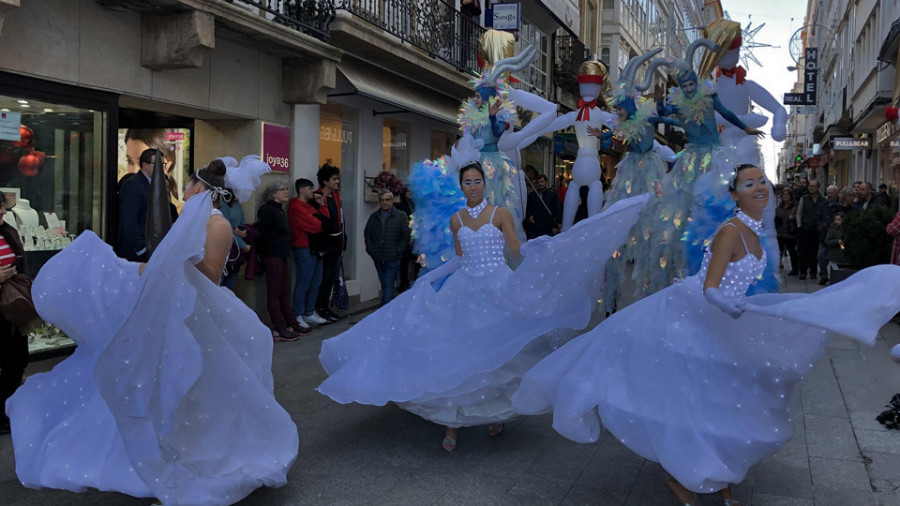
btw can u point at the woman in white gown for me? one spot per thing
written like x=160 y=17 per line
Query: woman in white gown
x=699 y=377
x=455 y=354
x=170 y=391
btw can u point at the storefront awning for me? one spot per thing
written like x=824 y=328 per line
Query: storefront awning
x=396 y=91
x=888 y=53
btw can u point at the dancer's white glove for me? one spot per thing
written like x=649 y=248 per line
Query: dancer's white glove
x=447 y=268
x=714 y=296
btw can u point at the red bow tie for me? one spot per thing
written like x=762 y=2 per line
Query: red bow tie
x=738 y=73
x=584 y=109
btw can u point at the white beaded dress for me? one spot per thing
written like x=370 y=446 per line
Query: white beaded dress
x=169 y=393
x=681 y=383
x=456 y=354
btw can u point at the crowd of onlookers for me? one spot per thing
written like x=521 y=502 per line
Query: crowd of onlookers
x=308 y=236
x=809 y=224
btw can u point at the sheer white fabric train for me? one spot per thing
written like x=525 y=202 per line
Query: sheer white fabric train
x=170 y=391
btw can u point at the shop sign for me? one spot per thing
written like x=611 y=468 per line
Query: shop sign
x=849 y=143
x=811 y=74
x=9 y=126
x=885 y=131
x=505 y=16
x=276 y=148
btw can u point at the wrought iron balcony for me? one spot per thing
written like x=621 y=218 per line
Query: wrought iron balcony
x=570 y=54
x=434 y=26
x=311 y=17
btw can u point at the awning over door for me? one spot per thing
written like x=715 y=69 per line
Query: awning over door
x=390 y=88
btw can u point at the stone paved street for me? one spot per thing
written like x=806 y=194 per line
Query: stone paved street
x=353 y=454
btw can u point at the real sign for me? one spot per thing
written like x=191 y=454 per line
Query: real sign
x=506 y=16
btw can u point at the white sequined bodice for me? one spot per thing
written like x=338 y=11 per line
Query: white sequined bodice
x=738 y=275
x=482 y=249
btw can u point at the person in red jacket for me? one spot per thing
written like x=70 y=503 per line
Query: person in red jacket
x=307 y=213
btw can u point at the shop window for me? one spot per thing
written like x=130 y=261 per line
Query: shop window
x=51 y=171
x=338 y=147
x=441 y=142
x=395 y=149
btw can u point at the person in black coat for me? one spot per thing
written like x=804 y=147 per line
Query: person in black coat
x=543 y=211
x=387 y=238
x=133 y=198
x=274 y=243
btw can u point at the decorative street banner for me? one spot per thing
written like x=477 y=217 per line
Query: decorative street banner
x=276 y=147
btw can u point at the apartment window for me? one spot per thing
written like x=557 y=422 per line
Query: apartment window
x=604 y=56
x=609 y=4
x=536 y=73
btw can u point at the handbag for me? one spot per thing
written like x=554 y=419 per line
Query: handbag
x=16 y=304
x=339 y=297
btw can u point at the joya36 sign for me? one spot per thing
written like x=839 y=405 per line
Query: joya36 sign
x=276 y=147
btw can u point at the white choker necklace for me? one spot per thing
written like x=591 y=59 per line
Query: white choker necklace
x=475 y=211
x=755 y=225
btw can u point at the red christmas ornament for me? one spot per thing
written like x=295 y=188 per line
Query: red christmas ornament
x=31 y=164
x=26 y=137
x=891 y=113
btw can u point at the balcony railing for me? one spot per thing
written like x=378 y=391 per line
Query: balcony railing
x=434 y=26
x=570 y=54
x=311 y=17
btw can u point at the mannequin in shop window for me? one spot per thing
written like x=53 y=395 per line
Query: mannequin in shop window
x=25 y=215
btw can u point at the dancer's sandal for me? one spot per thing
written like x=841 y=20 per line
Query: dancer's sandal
x=449 y=443
x=495 y=429
x=676 y=488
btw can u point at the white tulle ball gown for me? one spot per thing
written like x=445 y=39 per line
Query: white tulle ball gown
x=169 y=393
x=681 y=383
x=457 y=354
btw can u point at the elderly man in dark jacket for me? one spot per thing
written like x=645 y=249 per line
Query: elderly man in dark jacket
x=387 y=237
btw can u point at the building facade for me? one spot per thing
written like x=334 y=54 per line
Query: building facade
x=365 y=85
x=847 y=136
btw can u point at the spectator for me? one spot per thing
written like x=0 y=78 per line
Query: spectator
x=543 y=212
x=883 y=190
x=133 y=198
x=801 y=187
x=408 y=206
x=307 y=215
x=233 y=212
x=845 y=200
x=893 y=229
x=786 y=229
x=829 y=210
x=387 y=237
x=561 y=189
x=868 y=198
x=808 y=212
x=856 y=190
x=835 y=244
x=329 y=178
x=470 y=8
x=274 y=243
x=13 y=341
x=779 y=191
